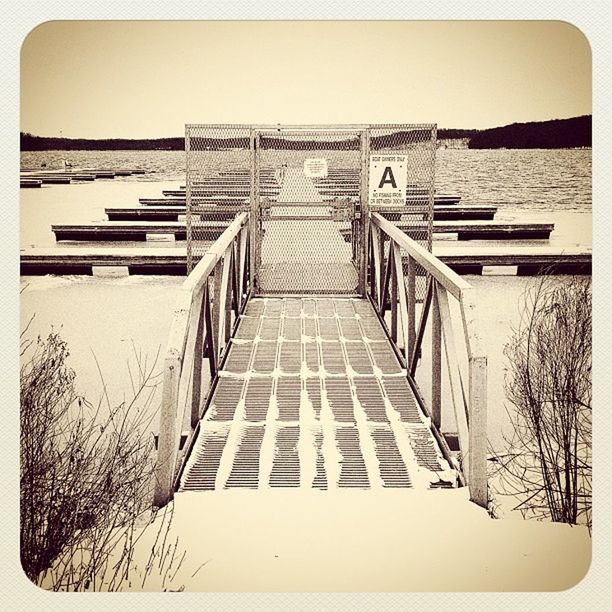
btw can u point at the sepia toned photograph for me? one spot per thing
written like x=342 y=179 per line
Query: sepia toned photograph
x=305 y=306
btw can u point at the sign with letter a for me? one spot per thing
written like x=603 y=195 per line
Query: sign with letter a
x=388 y=180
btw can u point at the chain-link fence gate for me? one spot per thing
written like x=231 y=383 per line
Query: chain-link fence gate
x=308 y=219
x=309 y=191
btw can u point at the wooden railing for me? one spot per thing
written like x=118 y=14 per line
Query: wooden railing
x=393 y=273
x=203 y=321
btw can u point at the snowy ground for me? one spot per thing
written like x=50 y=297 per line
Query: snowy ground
x=388 y=540
x=306 y=540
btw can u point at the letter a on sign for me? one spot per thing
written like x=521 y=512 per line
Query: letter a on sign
x=387 y=177
x=388 y=180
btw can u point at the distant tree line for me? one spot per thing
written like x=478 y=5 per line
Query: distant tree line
x=29 y=142
x=554 y=134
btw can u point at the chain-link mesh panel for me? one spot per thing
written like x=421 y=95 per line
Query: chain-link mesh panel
x=304 y=190
x=219 y=182
x=401 y=183
x=309 y=185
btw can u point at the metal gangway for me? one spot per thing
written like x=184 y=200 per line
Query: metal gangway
x=302 y=336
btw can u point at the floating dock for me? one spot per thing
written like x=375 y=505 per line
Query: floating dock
x=66 y=176
x=331 y=193
x=163 y=219
x=135 y=230
x=528 y=260
x=213 y=200
x=29 y=183
x=172 y=213
x=138 y=230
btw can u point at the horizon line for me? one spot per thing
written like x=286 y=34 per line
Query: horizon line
x=21 y=132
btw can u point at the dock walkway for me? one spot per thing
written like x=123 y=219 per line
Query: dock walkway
x=312 y=395
x=317 y=391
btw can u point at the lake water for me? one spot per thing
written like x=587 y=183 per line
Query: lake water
x=534 y=179
x=535 y=184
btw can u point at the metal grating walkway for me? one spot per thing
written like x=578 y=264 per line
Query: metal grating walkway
x=312 y=395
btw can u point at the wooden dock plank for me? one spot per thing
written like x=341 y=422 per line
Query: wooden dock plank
x=244 y=192
x=171 y=201
x=51 y=180
x=169 y=213
x=476 y=230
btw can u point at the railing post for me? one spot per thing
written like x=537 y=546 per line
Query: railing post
x=216 y=310
x=222 y=273
x=188 y=202
x=401 y=288
x=254 y=216
x=229 y=270
x=234 y=294
x=242 y=261
x=477 y=477
x=364 y=221
x=420 y=334
x=196 y=384
x=369 y=272
x=411 y=305
x=169 y=426
x=375 y=265
x=386 y=281
x=393 y=273
x=454 y=378
x=381 y=273
x=436 y=360
x=210 y=334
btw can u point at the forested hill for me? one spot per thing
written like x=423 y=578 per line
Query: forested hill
x=554 y=134
x=45 y=143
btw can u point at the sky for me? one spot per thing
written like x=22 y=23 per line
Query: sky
x=146 y=79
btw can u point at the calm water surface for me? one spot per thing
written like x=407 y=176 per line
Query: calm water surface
x=533 y=179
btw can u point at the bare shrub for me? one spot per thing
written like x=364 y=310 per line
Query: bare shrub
x=86 y=477
x=548 y=461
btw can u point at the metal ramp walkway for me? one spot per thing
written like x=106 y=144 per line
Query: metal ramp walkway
x=312 y=342
x=312 y=395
